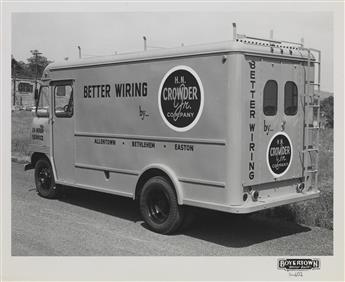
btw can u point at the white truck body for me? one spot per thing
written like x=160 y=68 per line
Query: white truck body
x=223 y=122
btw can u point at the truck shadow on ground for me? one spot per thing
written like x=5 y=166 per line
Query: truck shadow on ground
x=113 y=205
x=221 y=228
x=238 y=231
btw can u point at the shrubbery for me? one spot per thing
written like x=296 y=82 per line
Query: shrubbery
x=326 y=111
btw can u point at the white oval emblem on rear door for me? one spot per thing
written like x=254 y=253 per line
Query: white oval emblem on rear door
x=279 y=154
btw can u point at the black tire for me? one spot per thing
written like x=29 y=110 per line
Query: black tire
x=44 y=179
x=159 y=207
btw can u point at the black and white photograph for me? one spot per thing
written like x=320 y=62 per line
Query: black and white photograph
x=134 y=132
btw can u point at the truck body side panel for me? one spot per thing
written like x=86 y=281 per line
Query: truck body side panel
x=119 y=134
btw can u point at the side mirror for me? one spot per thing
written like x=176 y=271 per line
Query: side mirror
x=42 y=112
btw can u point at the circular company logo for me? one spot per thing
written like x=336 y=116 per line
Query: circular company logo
x=279 y=154
x=181 y=98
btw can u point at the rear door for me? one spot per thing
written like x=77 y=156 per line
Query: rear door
x=275 y=153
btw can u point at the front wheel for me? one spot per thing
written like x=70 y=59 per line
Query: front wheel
x=159 y=207
x=44 y=179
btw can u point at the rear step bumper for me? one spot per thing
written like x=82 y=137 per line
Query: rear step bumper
x=274 y=202
x=259 y=204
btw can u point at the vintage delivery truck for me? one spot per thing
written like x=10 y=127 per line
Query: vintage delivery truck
x=230 y=126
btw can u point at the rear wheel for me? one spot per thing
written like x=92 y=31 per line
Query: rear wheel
x=159 y=207
x=44 y=179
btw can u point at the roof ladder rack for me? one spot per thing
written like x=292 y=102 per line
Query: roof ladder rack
x=264 y=41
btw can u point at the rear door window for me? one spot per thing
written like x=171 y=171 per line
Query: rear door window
x=270 y=102
x=290 y=98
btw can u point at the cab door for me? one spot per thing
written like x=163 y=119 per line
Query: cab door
x=63 y=130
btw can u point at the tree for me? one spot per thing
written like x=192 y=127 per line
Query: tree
x=23 y=70
x=28 y=70
x=326 y=109
x=37 y=61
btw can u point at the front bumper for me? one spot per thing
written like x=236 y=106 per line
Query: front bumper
x=28 y=166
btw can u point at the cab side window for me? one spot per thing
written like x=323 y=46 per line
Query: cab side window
x=43 y=102
x=63 y=100
x=290 y=98
x=270 y=98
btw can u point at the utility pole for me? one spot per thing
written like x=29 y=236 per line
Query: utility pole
x=271 y=34
x=36 y=53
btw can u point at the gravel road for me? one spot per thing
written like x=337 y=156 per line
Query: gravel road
x=86 y=223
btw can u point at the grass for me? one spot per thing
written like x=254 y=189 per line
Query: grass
x=21 y=126
x=326 y=159
x=317 y=212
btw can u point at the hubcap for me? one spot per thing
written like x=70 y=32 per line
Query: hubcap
x=44 y=178
x=158 y=206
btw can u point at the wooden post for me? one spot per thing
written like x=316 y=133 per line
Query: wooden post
x=14 y=86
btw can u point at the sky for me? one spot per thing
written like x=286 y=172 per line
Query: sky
x=57 y=35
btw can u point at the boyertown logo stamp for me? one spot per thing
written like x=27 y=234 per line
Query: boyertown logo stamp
x=181 y=98
x=298 y=264
x=279 y=154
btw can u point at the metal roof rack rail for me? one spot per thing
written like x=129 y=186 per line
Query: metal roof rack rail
x=265 y=42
